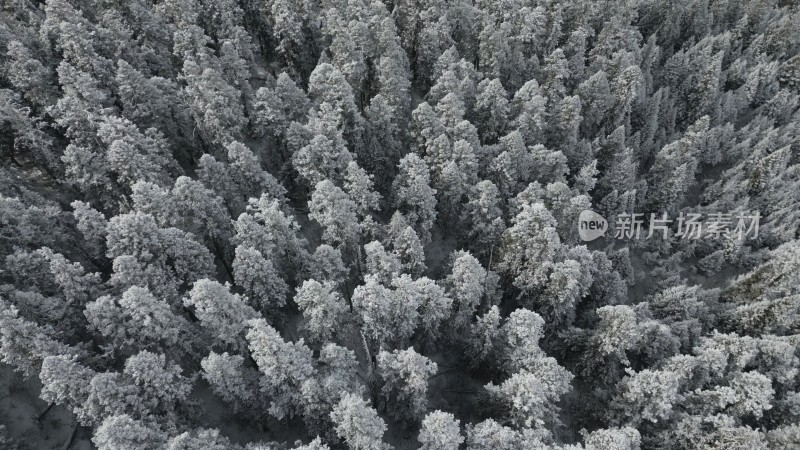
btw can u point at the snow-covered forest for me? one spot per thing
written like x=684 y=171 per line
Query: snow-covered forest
x=354 y=224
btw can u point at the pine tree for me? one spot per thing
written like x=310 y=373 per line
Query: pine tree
x=435 y=309
x=530 y=247
x=206 y=438
x=284 y=366
x=521 y=333
x=326 y=265
x=166 y=259
x=327 y=84
x=222 y=313
x=531 y=394
x=336 y=377
x=484 y=338
x=404 y=376
x=27 y=74
x=25 y=344
x=359 y=424
x=383 y=138
x=388 y=317
x=489 y=434
x=151 y=102
x=323 y=309
x=92 y=224
x=359 y=187
x=322 y=159
x=257 y=275
x=483 y=215
x=413 y=195
x=234 y=382
x=466 y=284
x=491 y=109
x=440 y=431
x=276 y=108
x=408 y=248
x=122 y=431
x=65 y=382
x=138 y=320
x=246 y=170
x=270 y=229
x=215 y=105
x=332 y=208
x=382 y=265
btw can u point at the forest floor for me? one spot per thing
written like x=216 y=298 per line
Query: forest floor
x=22 y=407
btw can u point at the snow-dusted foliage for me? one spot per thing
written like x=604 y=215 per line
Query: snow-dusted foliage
x=362 y=224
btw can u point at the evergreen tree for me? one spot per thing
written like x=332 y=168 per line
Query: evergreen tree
x=284 y=366
x=234 y=382
x=359 y=424
x=260 y=280
x=440 y=431
x=404 y=375
x=530 y=247
x=413 y=195
x=222 y=313
x=323 y=309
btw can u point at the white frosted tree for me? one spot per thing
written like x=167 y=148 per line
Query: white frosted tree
x=435 y=309
x=380 y=263
x=483 y=218
x=138 y=320
x=234 y=382
x=322 y=158
x=531 y=394
x=122 y=431
x=409 y=250
x=284 y=366
x=491 y=109
x=222 y=314
x=404 y=376
x=332 y=208
x=359 y=424
x=326 y=265
x=383 y=139
x=92 y=224
x=466 y=284
x=247 y=172
x=65 y=382
x=215 y=105
x=337 y=376
x=323 y=310
x=359 y=186
x=277 y=107
x=625 y=438
x=484 y=338
x=414 y=196
x=530 y=247
x=134 y=155
x=24 y=344
x=173 y=255
x=648 y=395
x=268 y=227
x=521 y=333
x=201 y=438
x=259 y=278
x=388 y=316
x=440 y=431
x=490 y=435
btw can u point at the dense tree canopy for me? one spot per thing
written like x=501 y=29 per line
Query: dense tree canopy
x=329 y=224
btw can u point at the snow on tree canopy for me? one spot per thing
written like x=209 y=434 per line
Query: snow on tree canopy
x=368 y=225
